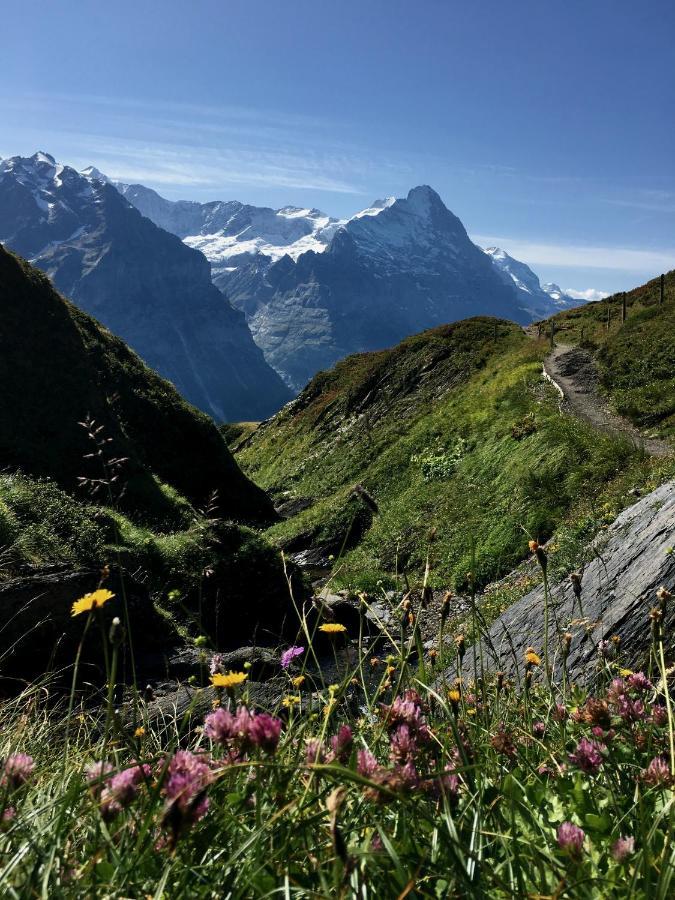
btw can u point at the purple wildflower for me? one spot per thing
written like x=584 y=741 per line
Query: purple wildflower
x=560 y=713
x=187 y=778
x=403 y=747
x=376 y=845
x=342 y=744
x=657 y=773
x=18 y=769
x=96 y=775
x=539 y=729
x=639 y=682
x=617 y=689
x=588 y=756
x=264 y=732
x=366 y=764
x=630 y=710
x=121 y=789
x=659 y=715
x=571 y=838
x=622 y=848
x=289 y=655
x=407 y=710
x=447 y=783
x=404 y=777
x=315 y=752
x=219 y=725
x=243 y=730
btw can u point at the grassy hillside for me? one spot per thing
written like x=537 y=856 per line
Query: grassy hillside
x=149 y=471
x=635 y=358
x=453 y=431
x=58 y=366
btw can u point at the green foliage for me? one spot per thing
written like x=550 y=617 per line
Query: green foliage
x=449 y=432
x=635 y=359
x=46 y=525
x=451 y=793
x=437 y=464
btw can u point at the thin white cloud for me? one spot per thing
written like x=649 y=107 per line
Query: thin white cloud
x=185 y=165
x=580 y=257
x=590 y=294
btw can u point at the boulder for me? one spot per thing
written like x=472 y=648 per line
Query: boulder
x=39 y=634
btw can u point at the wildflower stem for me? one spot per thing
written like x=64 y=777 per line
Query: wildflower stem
x=666 y=690
x=71 y=699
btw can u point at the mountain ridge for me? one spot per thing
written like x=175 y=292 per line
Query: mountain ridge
x=141 y=281
x=74 y=368
x=296 y=298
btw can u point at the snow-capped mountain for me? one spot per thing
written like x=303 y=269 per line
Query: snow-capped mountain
x=230 y=233
x=315 y=289
x=401 y=266
x=538 y=300
x=145 y=284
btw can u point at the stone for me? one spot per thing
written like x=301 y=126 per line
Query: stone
x=630 y=561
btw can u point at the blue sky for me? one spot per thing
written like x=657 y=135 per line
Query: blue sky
x=547 y=127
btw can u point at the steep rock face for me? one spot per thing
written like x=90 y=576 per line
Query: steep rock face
x=631 y=561
x=58 y=366
x=398 y=268
x=539 y=300
x=140 y=281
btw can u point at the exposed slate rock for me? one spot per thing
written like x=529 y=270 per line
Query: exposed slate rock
x=631 y=560
x=262 y=662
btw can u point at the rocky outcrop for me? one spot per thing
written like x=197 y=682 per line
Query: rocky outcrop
x=39 y=635
x=629 y=562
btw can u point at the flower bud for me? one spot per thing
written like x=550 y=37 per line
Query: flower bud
x=116 y=633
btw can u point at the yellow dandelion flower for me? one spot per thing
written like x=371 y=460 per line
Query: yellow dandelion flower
x=624 y=673
x=454 y=696
x=231 y=680
x=332 y=628
x=298 y=681
x=91 y=601
x=291 y=700
x=532 y=658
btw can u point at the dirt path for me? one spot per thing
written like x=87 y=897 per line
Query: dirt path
x=573 y=372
